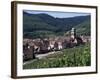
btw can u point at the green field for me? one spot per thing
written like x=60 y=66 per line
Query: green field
x=71 y=57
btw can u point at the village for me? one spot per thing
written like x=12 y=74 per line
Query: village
x=31 y=47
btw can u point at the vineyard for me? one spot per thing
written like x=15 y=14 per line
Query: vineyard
x=71 y=57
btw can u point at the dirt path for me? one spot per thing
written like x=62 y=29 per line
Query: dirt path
x=40 y=56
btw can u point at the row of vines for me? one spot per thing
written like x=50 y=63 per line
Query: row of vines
x=72 y=57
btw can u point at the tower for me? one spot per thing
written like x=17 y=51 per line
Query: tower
x=73 y=33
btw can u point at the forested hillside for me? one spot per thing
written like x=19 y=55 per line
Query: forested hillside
x=44 y=25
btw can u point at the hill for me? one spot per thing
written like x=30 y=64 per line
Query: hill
x=84 y=28
x=44 y=25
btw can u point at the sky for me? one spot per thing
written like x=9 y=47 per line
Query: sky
x=58 y=14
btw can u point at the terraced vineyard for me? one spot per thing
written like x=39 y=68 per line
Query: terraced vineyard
x=71 y=57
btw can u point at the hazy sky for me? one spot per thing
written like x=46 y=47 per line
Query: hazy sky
x=58 y=14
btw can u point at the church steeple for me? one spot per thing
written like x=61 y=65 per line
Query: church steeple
x=73 y=33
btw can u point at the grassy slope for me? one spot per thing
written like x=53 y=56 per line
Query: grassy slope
x=78 y=56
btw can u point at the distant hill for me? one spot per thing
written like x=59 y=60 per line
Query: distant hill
x=44 y=25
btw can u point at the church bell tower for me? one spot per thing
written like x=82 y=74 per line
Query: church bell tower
x=73 y=33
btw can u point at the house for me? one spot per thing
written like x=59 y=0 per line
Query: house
x=28 y=52
x=31 y=47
